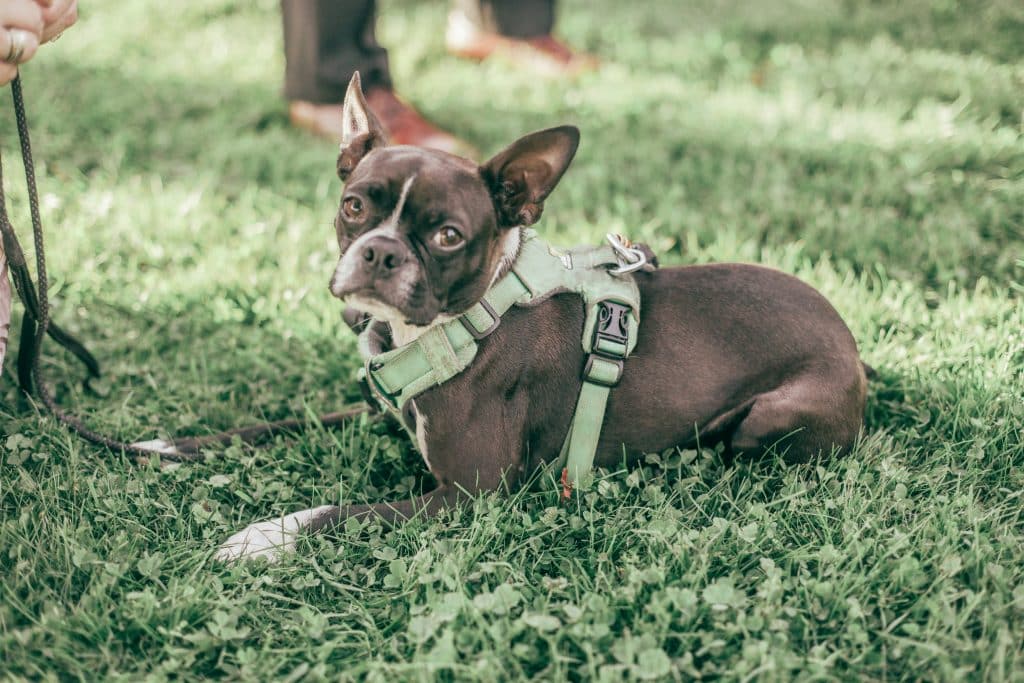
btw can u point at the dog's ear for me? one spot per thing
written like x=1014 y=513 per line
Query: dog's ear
x=361 y=131
x=522 y=175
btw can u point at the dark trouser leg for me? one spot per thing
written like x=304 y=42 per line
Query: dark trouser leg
x=325 y=42
x=512 y=18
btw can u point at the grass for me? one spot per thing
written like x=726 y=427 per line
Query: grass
x=874 y=149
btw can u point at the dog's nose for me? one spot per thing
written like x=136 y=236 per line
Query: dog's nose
x=382 y=256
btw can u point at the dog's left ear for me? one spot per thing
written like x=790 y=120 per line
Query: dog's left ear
x=361 y=131
x=523 y=174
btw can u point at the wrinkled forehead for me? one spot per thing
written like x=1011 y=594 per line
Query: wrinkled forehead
x=433 y=178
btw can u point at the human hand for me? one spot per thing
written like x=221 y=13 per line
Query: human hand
x=25 y=25
x=21 y=28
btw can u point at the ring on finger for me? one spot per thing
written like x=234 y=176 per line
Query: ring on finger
x=18 y=39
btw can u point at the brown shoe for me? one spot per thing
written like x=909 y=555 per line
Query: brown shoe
x=404 y=125
x=543 y=54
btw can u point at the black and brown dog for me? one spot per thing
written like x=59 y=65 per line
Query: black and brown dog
x=727 y=353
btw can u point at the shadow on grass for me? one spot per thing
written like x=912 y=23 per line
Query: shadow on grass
x=196 y=374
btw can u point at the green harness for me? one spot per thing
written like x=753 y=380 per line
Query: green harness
x=600 y=275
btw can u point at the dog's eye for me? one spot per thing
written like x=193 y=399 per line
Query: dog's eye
x=352 y=208
x=448 y=237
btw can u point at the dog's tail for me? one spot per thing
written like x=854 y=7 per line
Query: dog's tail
x=869 y=371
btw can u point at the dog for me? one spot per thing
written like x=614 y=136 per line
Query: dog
x=732 y=354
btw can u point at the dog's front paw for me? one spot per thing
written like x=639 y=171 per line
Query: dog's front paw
x=272 y=538
x=269 y=540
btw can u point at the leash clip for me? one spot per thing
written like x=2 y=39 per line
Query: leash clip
x=634 y=259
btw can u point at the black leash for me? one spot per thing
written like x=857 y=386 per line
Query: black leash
x=19 y=269
x=36 y=324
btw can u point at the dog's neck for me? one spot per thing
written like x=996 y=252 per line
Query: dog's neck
x=511 y=245
x=403 y=333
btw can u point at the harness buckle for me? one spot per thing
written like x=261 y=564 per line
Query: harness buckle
x=634 y=258
x=611 y=340
x=612 y=328
x=471 y=328
x=369 y=384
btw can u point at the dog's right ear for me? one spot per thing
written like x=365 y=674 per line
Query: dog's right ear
x=361 y=131
x=522 y=175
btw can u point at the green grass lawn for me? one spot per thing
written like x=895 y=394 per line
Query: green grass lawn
x=875 y=150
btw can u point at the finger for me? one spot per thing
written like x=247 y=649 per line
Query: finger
x=15 y=37
x=61 y=22
x=23 y=14
x=7 y=73
x=57 y=9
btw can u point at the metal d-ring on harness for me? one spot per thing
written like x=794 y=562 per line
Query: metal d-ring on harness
x=633 y=259
x=602 y=276
x=36 y=324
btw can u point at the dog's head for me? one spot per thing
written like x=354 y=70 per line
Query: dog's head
x=423 y=234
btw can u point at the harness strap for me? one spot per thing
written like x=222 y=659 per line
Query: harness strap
x=602 y=372
x=580 y=445
x=485 y=315
x=443 y=351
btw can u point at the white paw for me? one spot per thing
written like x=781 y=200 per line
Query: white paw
x=157 y=446
x=269 y=539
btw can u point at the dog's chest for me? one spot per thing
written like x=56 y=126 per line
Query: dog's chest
x=417 y=422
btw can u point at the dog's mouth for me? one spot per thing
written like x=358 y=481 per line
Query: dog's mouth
x=386 y=308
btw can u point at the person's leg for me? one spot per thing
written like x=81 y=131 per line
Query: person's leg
x=325 y=42
x=510 y=18
x=518 y=29
x=521 y=18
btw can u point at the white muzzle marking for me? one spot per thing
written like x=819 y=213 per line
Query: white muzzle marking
x=349 y=263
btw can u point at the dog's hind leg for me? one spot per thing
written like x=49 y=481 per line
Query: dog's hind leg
x=271 y=538
x=719 y=430
x=800 y=420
